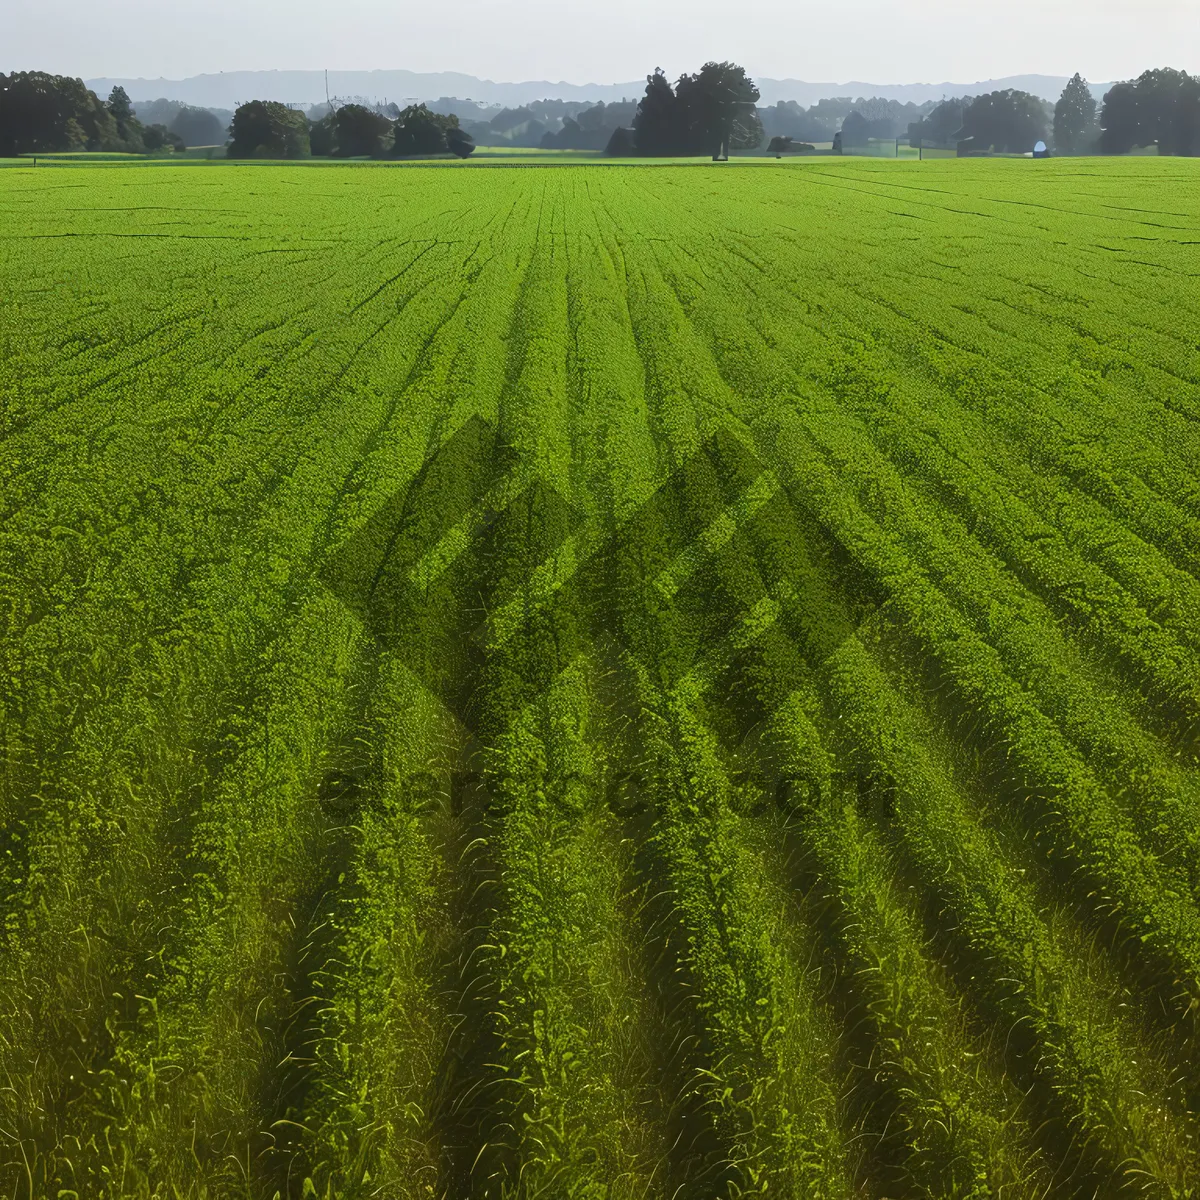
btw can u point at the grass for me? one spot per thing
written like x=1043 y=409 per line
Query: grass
x=637 y=682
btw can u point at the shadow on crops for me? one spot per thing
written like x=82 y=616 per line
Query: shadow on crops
x=308 y=958
x=441 y=555
x=429 y=574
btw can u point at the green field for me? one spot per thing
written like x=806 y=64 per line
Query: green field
x=600 y=682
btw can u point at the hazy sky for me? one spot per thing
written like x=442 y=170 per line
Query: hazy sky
x=897 y=41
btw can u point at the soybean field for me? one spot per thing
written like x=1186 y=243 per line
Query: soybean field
x=600 y=681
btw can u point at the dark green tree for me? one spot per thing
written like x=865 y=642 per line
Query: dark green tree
x=361 y=132
x=719 y=109
x=268 y=129
x=1120 y=124
x=129 y=129
x=1157 y=103
x=120 y=106
x=1161 y=106
x=1075 y=117
x=1008 y=121
x=658 y=125
x=1187 y=126
x=322 y=136
x=710 y=112
x=1166 y=110
x=459 y=142
x=42 y=113
x=419 y=132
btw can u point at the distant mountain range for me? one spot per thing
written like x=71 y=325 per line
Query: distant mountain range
x=230 y=88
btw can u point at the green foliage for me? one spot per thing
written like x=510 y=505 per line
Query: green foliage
x=120 y=107
x=322 y=136
x=268 y=129
x=419 y=132
x=41 y=113
x=1075 y=128
x=1008 y=121
x=1160 y=106
x=360 y=132
x=657 y=122
x=459 y=142
x=711 y=112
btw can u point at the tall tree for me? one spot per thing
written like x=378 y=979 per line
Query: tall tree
x=268 y=129
x=711 y=112
x=719 y=109
x=120 y=106
x=130 y=130
x=658 y=126
x=1075 y=117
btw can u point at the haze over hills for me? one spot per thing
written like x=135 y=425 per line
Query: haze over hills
x=227 y=89
x=1048 y=87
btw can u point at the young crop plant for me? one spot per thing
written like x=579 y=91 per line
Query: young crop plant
x=645 y=681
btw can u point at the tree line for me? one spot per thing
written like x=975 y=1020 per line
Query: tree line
x=1007 y=121
x=43 y=114
x=350 y=131
x=879 y=118
x=715 y=110
x=1160 y=108
x=269 y=129
x=712 y=111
